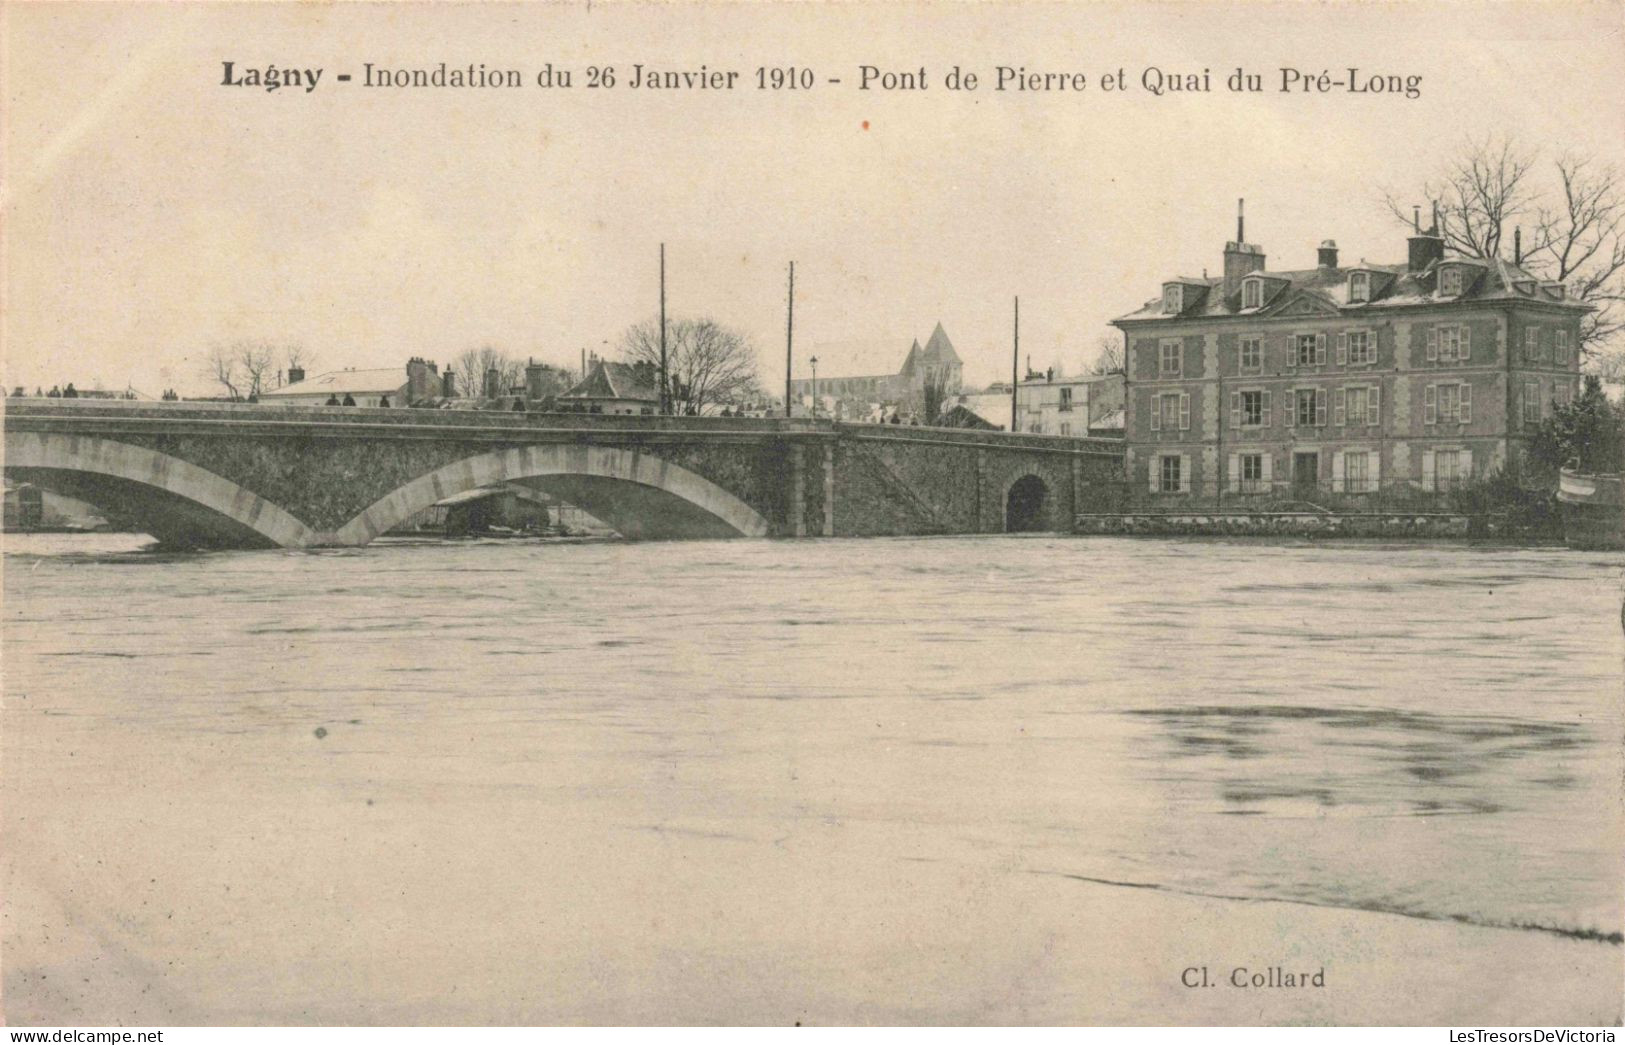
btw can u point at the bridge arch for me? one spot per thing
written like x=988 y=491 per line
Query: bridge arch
x=175 y=501
x=639 y=494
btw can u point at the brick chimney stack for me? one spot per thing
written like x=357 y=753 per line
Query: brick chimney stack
x=1240 y=257
x=1328 y=254
x=296 y=374
x=1425 y=247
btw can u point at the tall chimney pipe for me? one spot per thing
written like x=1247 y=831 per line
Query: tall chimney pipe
x=1517 y=245
x=1241 y=221
x=1416 y=219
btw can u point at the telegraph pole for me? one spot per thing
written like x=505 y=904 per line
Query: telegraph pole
x=1015 y=357
x=789 y=337
x=665 y=399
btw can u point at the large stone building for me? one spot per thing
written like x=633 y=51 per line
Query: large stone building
x=935 y=361
x=1343 y=379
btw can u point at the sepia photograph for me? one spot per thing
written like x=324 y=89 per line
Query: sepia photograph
x=827 y=514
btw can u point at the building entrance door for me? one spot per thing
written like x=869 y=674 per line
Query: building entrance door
x=1306 y=470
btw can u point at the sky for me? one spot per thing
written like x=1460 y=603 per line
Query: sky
x=151 y=212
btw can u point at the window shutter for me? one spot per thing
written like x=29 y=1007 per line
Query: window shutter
x=1269 y=462
x=1337 y=471
x=1466 y=459
x=1156 y=413
x=1430 y=407
x=1235 y=472
x=1320 y=349
x=1184 y=473
x=1342 y=414
x=1184 y=410
x=1266 y=418
x=1342 y=349
x=1427 y=470
x=1373 y=481
x=1156 y=473
x=1292 y=408
x=1320 y=406
x=1465 y=413
x=1235 y=409
x=1466 y=341
x=1433 y=344
x=1373 y=405
x=1291 y=352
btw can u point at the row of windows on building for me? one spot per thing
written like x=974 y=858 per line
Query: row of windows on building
x=1449 y=343
x=1453 y=281
x=1360 y=405
x=1353 y=471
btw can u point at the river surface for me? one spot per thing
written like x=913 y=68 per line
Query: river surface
x=1433 y=730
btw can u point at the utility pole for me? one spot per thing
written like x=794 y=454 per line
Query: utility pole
x=1015 y=358
x=665 y=399
x=789 y=337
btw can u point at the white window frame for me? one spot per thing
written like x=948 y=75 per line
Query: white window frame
x=1178 y=477
x=1450 y=343
x=1560 y=347
x=1252 y=293
x=1440 y=481
x=1171 y=348
x=1359 y=287
x=1451 y=281
x=1256 y=343
x=1363 y=483
x=1531 y=343
x=1531 y=401
x=1367 y=354
x=1173 y=299
x=1259 y=393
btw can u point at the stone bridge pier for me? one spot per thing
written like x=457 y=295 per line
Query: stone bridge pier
x=238 y=475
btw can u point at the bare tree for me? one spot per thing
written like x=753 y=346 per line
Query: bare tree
x=1108 y=356
x=255 y=360
x=933 y=394
x=472 y=364
x=1581 y=242
x=220 y=365
x=1572 y=210
x=707 y=364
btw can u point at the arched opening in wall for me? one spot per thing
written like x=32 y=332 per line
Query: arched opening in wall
x=1026 y=506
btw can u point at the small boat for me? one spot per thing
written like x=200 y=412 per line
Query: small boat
x=1593 y=509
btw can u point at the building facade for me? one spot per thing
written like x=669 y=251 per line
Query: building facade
x=1047 y=404
x=1343 y=381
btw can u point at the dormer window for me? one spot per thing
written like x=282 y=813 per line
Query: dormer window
x=1252 y=293
x=1450 y=282
x=1173 y=299
x=1360 y=286
x=1557 y=290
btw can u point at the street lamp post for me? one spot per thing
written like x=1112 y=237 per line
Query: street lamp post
x=814 y=362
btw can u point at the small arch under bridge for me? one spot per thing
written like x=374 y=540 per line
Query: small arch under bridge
x=241 y=475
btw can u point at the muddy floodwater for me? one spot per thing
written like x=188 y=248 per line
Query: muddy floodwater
x=350 y=784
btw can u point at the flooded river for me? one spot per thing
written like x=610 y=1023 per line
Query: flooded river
x=297 y=759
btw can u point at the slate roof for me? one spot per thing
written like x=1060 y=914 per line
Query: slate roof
x=608 y=380
x=1327 y=289
x=387 y=380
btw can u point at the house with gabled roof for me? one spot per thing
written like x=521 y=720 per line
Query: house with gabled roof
x=1343 y=378
x=613 y=388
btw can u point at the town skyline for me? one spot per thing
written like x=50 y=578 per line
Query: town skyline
x=374 y=227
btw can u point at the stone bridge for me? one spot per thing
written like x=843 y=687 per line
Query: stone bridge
x=241 y=475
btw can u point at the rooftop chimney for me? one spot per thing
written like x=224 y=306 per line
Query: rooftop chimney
x=1425 y=247
x=448 y=385
x=493 y=383
x=1240 y=257
x=1517 y=245
x=1328 y=254
x=296 y=374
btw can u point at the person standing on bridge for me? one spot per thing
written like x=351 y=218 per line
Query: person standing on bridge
x=383 y=401
x=332 y=400
x=70 y=392
x=349 y=400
